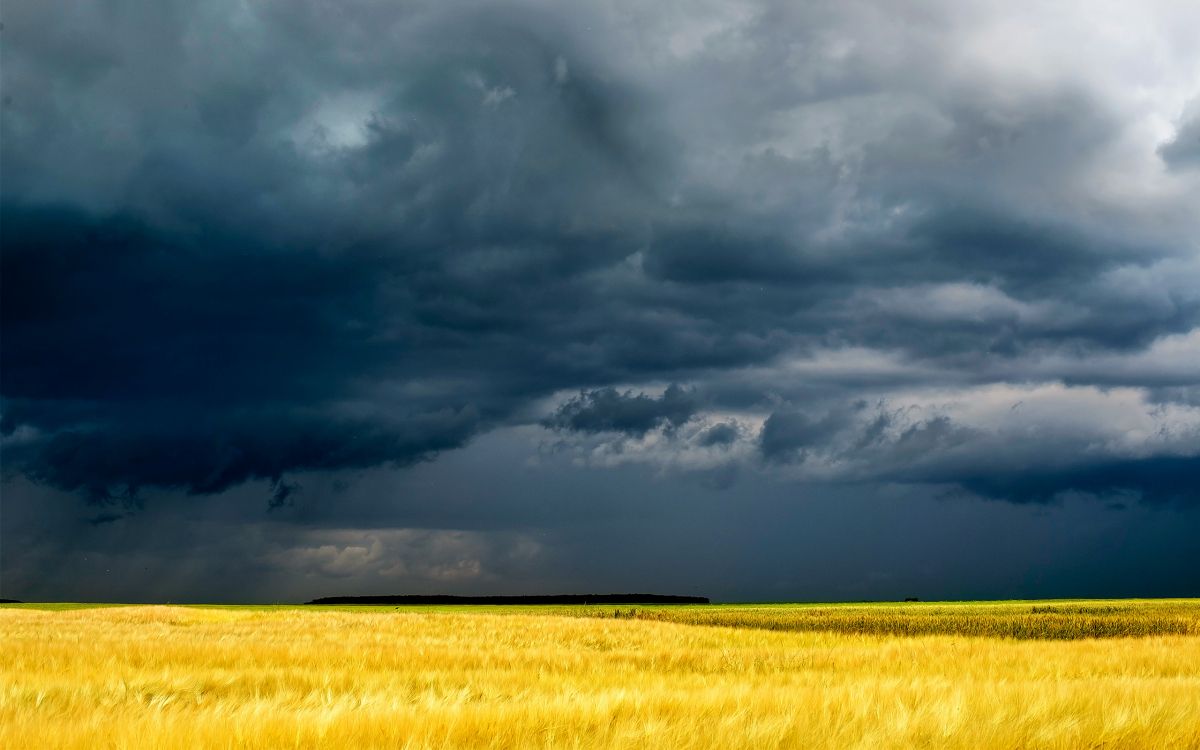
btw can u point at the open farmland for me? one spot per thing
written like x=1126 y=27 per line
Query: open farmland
x=985 y=675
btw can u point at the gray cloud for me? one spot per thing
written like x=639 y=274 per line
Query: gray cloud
x=786 y=433
x=722 y=433
x=1183 y=150
x=609 y=410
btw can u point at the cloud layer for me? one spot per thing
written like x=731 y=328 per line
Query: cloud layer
x=949 y=246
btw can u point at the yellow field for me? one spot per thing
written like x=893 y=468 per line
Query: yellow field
x=175 y=677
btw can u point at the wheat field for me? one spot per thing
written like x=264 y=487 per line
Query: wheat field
x=188 y=677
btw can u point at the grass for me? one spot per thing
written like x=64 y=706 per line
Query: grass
x=725 y=676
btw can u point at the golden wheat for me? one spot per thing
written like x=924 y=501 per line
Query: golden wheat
x=174 y=677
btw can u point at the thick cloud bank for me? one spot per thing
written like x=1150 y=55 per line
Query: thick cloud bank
x=951 y=244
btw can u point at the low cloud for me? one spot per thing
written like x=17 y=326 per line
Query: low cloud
x=610 y=410
x=400 y=557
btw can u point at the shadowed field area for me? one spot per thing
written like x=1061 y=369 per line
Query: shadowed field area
x=1052 y=620
x=174 y=677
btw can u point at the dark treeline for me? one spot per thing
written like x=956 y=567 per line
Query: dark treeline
x=547 y=599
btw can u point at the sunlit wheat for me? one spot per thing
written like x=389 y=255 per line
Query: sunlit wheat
x=175 y=677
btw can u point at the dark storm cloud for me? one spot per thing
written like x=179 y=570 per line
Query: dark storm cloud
x=722 y=433
x=722 y=254
x=152 y=359
x=246 y=243
x=610 y=410
x=233 y=320
x=1161 y=479
x=213 y=455
x=1034 y=463
x=787 y=433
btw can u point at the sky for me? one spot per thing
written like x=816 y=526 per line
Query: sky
x=752 y=300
